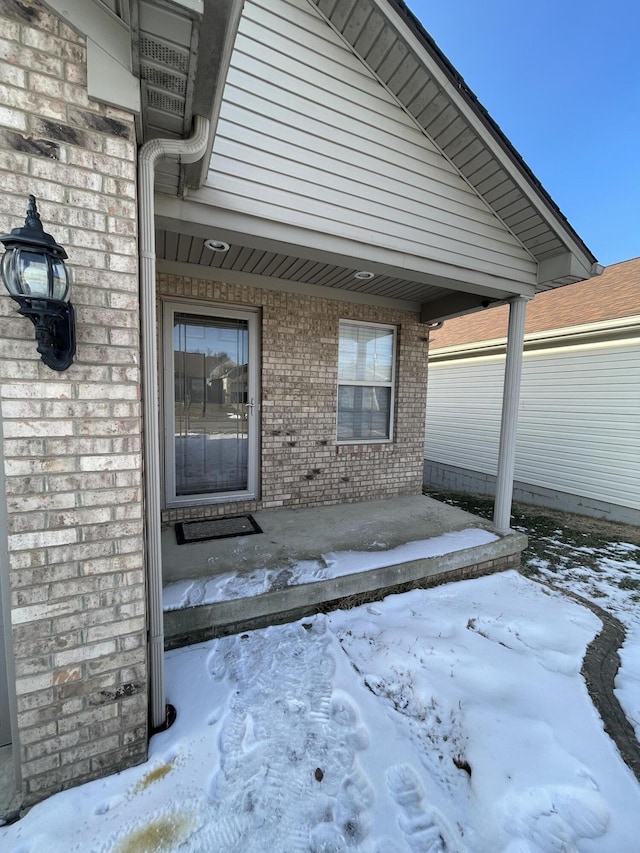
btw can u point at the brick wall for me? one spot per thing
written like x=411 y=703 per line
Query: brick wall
x=301 y=463
x=72 y=440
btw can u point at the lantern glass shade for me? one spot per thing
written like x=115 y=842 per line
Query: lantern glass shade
x=35 y=275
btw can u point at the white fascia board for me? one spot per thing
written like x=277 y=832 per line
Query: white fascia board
x=565 y=266
x=480 y=128
x=233 y=23
x=203 y=219
x=109 y=77
x=110 y=82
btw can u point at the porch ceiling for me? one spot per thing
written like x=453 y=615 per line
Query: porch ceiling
x=259 y=265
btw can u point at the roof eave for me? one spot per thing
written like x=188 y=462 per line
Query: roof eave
x=220 y=21
x=463 y=92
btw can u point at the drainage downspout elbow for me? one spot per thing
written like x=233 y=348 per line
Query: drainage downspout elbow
x=185 y=151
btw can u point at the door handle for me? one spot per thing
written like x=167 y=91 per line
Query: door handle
x=250 y=405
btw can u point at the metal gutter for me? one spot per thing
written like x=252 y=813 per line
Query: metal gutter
x=185 y=151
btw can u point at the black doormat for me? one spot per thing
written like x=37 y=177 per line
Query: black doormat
x=215 y=528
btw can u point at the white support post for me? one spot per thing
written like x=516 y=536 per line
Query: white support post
x=510 y=401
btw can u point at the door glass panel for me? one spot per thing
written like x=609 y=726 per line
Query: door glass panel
x=211 y=356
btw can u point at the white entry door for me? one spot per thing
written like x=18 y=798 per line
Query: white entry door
x=211 y=404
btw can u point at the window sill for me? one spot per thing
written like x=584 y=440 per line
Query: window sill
x=361 y=446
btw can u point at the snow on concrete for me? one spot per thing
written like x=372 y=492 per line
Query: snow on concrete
x=231 y=585
x=449 y=720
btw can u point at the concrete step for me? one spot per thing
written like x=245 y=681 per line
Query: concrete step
x=196 y=624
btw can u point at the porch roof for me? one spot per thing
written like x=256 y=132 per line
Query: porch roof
x=181 y=52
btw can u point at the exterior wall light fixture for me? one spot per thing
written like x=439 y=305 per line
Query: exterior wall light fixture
x=34 y=273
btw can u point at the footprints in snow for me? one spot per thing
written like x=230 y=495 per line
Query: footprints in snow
x=288 y=730
x=554 y=817
x=288 y=748
x=424 y=828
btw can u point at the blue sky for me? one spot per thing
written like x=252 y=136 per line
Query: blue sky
x=562 y=79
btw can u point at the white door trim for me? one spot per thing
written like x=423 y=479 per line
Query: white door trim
x=251 y=316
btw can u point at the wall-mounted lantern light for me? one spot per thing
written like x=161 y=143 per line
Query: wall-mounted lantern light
x=34 y=273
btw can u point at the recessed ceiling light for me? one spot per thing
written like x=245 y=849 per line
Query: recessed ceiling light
x=216 y=245
x=364 y=275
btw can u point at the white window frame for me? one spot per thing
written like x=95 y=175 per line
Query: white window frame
x=252 y=316
x=367 y=384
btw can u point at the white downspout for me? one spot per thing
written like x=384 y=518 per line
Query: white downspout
x=510 y=402
x=185 y=151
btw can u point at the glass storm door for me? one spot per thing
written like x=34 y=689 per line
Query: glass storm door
x=210 y=404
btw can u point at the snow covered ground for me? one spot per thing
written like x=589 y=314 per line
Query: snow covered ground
x=608 y=574
x=450 y=720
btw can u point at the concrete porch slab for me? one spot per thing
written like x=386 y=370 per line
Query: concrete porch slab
x=292 y=536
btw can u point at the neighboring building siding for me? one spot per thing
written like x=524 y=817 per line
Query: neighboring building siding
x=578 y=426
x=72 y=440
x=308 y=137
x=301 y=463
x=464 y=403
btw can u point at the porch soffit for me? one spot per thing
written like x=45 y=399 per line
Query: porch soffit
x=188 y=254
x=279 y=253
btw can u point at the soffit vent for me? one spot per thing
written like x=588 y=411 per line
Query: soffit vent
x=165 y=103
x=161 y=79
x=163 y=54
x=165 y=68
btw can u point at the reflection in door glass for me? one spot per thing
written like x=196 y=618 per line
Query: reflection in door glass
x=210 y=377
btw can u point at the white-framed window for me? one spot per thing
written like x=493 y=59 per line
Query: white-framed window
x=366 y=378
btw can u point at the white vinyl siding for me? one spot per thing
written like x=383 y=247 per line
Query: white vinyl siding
x=578 y=425
x=463 y=413
x=308 y=137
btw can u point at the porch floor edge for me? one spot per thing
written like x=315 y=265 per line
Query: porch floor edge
x=196 y=624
